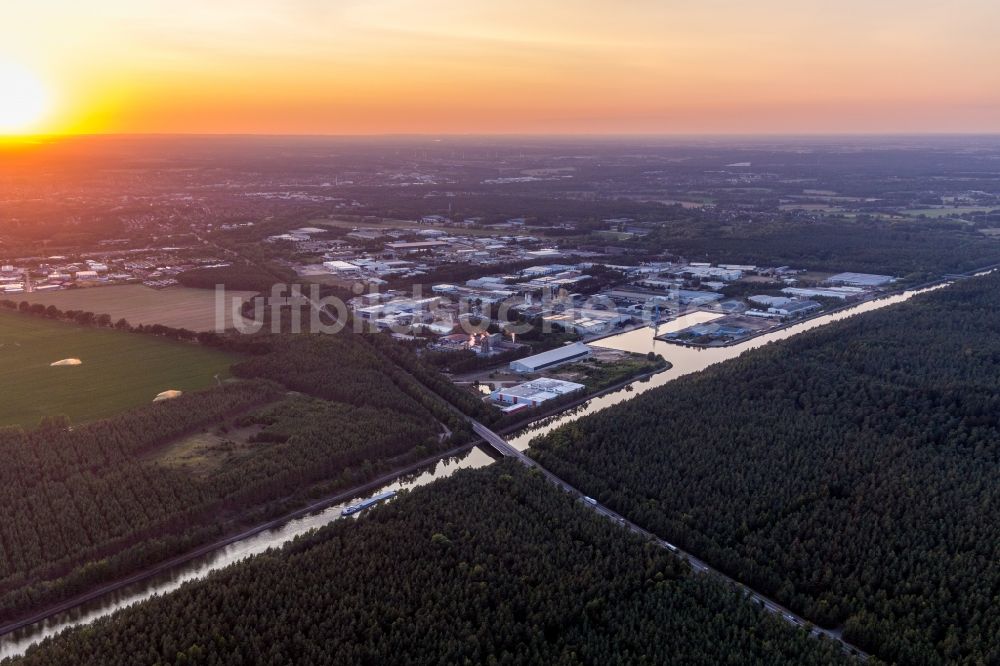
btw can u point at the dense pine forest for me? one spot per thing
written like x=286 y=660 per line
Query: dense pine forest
x=914 y=250
x=72 y=495
x=86 y=504
x=492 y=566
x=853 y=472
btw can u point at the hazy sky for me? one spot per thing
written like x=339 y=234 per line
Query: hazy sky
x=576 y=66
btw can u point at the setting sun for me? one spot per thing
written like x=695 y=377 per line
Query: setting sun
x=23 y=99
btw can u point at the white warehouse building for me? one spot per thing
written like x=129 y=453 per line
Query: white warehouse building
x=551 y=358
x=861 y=279
x=535 y=392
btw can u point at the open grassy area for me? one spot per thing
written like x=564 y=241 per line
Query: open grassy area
x=605 y=368
x=179 y=307
x=814 y=207
x=202 y=453
x=118 y=370
x=947 y=211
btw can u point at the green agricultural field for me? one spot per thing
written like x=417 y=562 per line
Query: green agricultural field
x=117 y=371
x=179 y=307
x=947 y=211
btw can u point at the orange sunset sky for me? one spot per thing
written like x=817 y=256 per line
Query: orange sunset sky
x=512 y=66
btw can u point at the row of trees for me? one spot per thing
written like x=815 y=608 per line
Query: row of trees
x=87 y=318
x=243 y=344
x=851 y=472
x=490 y=566
x=467 y=360
x=84 y=318
x=413 y=368
x=915 y=249
x=361 y=371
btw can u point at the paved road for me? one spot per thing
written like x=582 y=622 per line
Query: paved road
x=508 y=451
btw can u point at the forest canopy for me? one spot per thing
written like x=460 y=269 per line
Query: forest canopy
x=88 y=504
x=851 y=472
x=489 y=566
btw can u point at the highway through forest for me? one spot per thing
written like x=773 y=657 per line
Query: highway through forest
x=508 y=451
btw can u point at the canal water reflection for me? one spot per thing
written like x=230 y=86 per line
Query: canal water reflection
x=685 y=360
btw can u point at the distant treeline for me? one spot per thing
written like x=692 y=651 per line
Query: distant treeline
x=246 y=344
x=491 y=566
x=916 y=250
x=85 y=318
x=466 y=360
x=852 y=472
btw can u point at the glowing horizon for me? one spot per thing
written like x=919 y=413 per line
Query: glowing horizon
x=570 y=67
